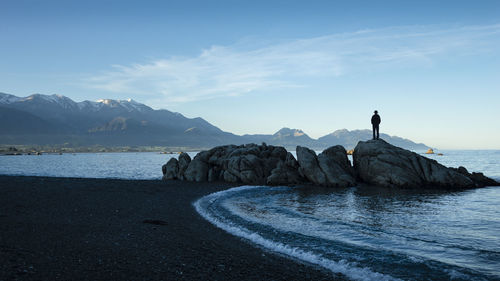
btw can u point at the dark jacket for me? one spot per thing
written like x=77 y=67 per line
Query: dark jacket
x=375 y=119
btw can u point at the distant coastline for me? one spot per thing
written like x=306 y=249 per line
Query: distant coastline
x=23 y=149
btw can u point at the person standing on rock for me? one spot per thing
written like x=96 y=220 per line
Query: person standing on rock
x=375 y=123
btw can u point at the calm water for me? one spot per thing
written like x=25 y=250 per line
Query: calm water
x=126 y=165
x=371 y=233
x=363 y=232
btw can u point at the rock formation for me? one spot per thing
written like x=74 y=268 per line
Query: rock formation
x=334 y=163
x=379 y=163
x=263 y=164
x=478 y=178
x=250 y=164
x=171 y=169
x=184 y=160
x=375 y=162
x=286 y=172
x=329 y=168
x=197 y=169
x=309 y=166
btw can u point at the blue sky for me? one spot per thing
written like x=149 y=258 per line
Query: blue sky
x=431 y=68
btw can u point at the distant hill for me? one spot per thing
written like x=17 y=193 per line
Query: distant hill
x=55 y=119
x=285 y=137
x=16 y=121
x=349 y=139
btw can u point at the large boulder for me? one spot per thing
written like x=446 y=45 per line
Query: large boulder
x=309 y=166
x=250 y=164
x=171 y=169
x=329 y=168
x=335 y=165
x=248 y=168
x=197 y=170
x=184 y=160
x=286 y=172
x=380 y=163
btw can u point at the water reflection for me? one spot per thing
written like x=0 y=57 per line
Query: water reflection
x=367 y=204
x=459 y=228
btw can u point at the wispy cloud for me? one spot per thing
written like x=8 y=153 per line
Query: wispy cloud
x=238 y=69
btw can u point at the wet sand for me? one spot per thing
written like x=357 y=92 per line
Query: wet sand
x=107 y=229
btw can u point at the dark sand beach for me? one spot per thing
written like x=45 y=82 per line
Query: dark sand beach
x=107 y=229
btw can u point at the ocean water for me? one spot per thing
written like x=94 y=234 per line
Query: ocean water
x=120 y=165
x=373 y=233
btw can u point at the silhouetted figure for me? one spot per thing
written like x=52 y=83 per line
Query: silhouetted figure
x=375 y=123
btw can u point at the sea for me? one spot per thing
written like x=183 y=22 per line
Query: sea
x=117 y=165
x=362 y=232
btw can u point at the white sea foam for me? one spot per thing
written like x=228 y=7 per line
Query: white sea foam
x=348 y=269
x=288 y=223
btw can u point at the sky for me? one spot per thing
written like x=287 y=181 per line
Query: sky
x=431 y=68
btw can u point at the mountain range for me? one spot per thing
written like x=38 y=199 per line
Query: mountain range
x=56 y=119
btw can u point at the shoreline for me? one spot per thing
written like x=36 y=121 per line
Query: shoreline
x=115 y=229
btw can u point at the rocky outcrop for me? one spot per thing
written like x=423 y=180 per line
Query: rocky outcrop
x=262 y=164
x=379 y=163
x=375 y=162
x=250 y=164
x=478 y=178
x=329 y=168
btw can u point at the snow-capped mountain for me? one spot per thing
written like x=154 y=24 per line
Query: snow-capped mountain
x=67 y=103
x=124 y=122
x=56 y=119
